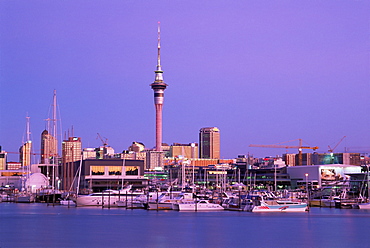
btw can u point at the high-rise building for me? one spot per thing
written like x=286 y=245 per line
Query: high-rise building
x=2 y=159
x=71 y=152
x=209 y=142
x=25 y=153
x=26 y=149
x=48 y=147
x=158 y=87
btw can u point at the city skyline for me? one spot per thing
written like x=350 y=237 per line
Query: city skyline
x=263 y=73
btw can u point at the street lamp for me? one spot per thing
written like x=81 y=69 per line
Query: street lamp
x=306 y=175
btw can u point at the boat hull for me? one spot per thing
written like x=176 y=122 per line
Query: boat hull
x=98 y=200
x=160 y=206
x=67 y=203
x=299 y=207
x=364 y=206
x=199 y=207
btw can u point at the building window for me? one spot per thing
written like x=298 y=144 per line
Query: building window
x=97 y=170
x=132 y=170
x=115 y=170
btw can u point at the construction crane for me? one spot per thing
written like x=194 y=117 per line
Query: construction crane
x=299 y=147
x=331 y=150
x=104 y=141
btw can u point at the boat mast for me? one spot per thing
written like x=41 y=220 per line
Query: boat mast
x=79 y=178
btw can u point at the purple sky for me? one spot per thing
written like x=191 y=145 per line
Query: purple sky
x=263 y=72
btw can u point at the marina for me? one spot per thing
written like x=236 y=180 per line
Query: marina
x=43 y=225
x=275 y=156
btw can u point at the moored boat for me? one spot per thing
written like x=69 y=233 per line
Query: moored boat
x=363 y=205
x=25 y=198
x=280 y=206
x=167 y=201
x=201 y=205
x=107 y=198
x=67 y=202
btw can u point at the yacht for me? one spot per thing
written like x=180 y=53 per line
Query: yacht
x=363 y=205
x=167 y=200
x=201 y=205
x=280 y=206
x=67 y=202
x=107 y=198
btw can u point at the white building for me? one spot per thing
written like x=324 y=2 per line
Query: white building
x=322 y=175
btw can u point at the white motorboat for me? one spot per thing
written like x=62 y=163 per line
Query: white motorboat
x=107 y=198
x=167 y=200
x=7 y=197
x=67 y=202
x=201 y=205
x=364 y=205
x=25 y=198
x=134 y=202
x=280 y=206
x=237 y=204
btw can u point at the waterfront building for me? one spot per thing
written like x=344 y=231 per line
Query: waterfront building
x=71 y=152
x=11 y=178
x=209 y=143
x=322 y=175
x=17 y=178
x=102 y=174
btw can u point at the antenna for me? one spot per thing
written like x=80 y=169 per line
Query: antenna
x=28 y=132
x=159 y=46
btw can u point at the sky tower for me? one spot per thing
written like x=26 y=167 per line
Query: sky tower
x=158 y=87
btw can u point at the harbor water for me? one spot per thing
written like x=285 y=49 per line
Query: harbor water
x=42 y=225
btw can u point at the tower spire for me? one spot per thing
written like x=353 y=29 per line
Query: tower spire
x=28 y=132
x=159 y=72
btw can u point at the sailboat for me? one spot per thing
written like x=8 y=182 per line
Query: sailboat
x=68 y=200
x=366 y=205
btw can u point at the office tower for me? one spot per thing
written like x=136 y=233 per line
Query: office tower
x=71 y=152
x=2 y=159
x=25 y=153
x=158 y=87
x=209 y=143
x=49 y=141
x=48 y=147
x=26 y=149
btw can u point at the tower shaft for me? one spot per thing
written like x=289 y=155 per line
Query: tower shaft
x=158 y=127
